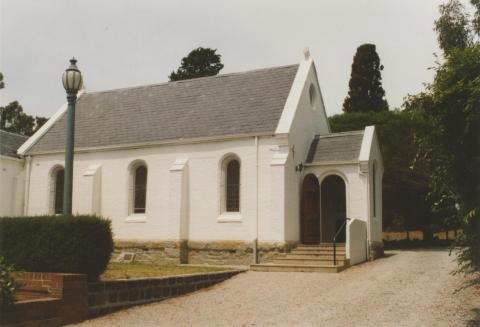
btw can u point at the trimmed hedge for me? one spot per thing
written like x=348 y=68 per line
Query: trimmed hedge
x=63 y=244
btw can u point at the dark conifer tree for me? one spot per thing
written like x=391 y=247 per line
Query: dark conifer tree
x=200 y=62
x=365 y=87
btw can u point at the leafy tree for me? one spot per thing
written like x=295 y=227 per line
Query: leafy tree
x=404 y=189
x=449 y=142
x=448 y=147
x=476 y=17
x=365 y=87
x=200 y=62
x=39 y=121
x=13 y=119
x=453 y=27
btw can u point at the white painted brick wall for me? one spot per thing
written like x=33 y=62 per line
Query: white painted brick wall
x=308 y=121
x=11 y=186
x=376 y=220
x=203 y=190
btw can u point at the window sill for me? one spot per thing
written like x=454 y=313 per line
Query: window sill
x=230 y=217
x=136 y=218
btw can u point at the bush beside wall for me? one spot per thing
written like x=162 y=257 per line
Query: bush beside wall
x=63 y=244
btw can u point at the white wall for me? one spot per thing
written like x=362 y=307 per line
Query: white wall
x=202 y=175
x=309 y=120
x=375 y=219
x=11 y=186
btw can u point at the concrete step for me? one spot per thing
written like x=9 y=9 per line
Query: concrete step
x=310 y=256
x=297 y=268
x=309 y=261
x=318 y=252
x=320 y=246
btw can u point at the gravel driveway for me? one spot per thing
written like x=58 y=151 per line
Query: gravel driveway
x=407 y=288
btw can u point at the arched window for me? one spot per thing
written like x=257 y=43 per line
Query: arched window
x=56 y=198
x=231 y=184
x=139 y=188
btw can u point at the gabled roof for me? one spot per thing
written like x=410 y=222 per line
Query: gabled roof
x=231 y=104
x=335 y=147
x=10 y=142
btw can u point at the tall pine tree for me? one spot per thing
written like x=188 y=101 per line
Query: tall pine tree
x=200 y=62
x=365 y=87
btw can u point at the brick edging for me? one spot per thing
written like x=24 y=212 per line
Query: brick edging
x=111 y=295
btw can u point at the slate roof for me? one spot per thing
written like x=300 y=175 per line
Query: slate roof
x=230 y=104
x=10 y=142
x=335 y=147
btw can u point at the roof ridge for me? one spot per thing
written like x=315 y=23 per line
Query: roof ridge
x=341 y=134
x=14 y=134
x=192 y=79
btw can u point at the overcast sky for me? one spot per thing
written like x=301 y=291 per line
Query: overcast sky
x=129 y=43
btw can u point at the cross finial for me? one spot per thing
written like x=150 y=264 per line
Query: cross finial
x=306 y=53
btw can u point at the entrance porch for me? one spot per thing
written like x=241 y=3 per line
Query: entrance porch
x=323 y=210
x=339 y=203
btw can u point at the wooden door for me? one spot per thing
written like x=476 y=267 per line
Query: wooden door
x=310 y=211
x=333 y=204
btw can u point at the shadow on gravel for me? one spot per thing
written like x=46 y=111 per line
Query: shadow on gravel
x=421 y=249
x=430 y=249
x=476 y=319
x=386 y=255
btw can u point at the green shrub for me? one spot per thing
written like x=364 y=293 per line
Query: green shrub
x=7 y=287
x=64 y=244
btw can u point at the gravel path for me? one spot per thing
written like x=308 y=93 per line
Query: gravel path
x=407 y=288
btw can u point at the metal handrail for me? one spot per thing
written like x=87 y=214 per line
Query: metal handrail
x=335 y=240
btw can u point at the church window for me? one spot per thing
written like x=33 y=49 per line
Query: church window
x=231 y=184
x=56 y=190
x=138 y=188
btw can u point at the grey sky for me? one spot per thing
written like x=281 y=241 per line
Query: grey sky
x=128 y=43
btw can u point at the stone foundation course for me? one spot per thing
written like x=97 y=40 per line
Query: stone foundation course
x=376 y=250
x=158 y=252
x=201 y=252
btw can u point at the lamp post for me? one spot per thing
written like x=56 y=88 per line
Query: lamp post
x=72 y=81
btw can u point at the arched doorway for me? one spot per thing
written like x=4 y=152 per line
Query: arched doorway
x=334 y=208
x=310 y=211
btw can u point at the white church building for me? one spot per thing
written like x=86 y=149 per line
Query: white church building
x=237 y=168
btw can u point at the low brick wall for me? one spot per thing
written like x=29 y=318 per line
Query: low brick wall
x=201 y=252
x=111 y=295
x=49 y=299
x=70 y=288
x=43 y=312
